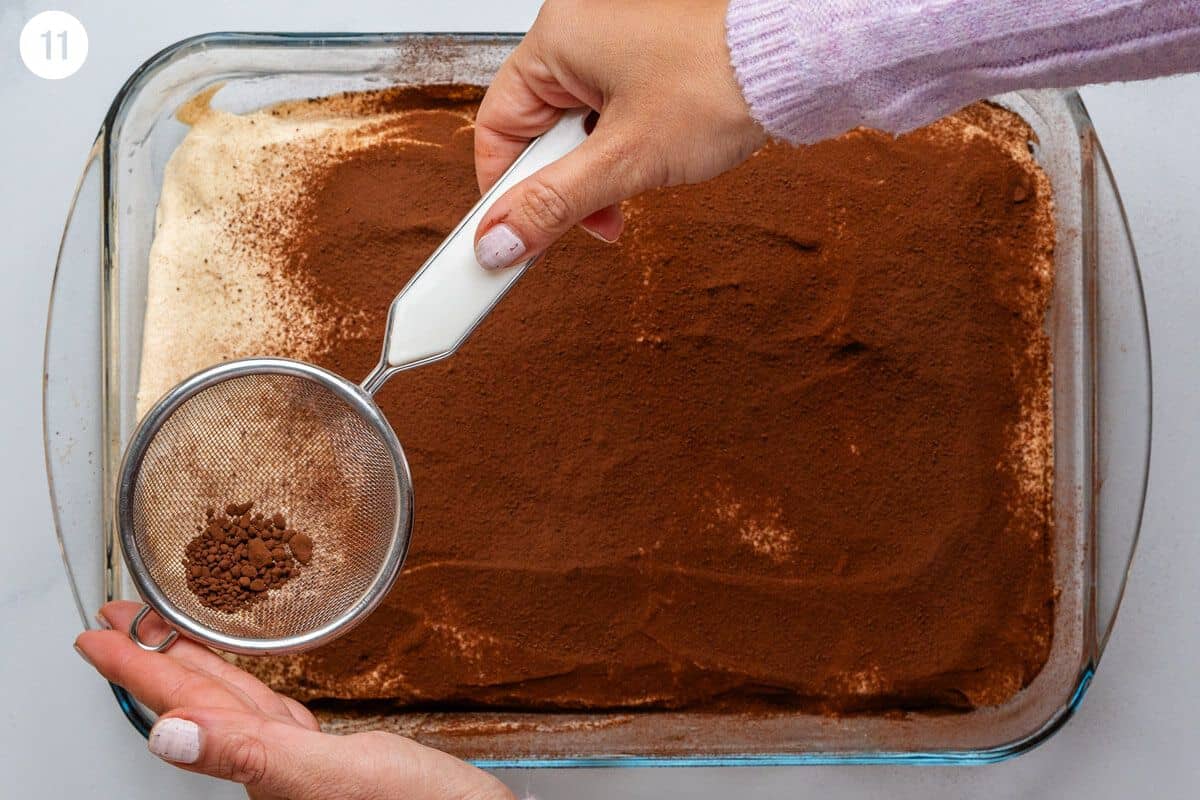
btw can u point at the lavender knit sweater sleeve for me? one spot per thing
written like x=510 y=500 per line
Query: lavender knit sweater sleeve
x=811 y=69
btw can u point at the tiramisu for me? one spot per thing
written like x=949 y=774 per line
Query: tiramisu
x=786 y=444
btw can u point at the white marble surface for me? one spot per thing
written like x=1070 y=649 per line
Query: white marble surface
x=61 y=735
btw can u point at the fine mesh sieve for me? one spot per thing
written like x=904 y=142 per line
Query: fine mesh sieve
x=297 y=440
x=301 y=441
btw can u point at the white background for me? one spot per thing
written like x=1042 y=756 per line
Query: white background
x=61 y=734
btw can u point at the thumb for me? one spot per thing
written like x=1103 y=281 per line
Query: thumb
x=274 y=758
x=583 y=186
x=264 y=754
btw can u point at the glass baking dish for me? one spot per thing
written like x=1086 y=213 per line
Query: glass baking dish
x=1102 y=390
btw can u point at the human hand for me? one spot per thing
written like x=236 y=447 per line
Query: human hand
x=671 y=112
x=220 y=721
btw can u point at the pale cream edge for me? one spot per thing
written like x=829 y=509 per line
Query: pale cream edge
x=231 y=194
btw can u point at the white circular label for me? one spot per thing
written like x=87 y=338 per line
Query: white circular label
x=54 y=45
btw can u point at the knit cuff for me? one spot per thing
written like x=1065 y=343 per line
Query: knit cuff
x=764 y=47
x=812 y=69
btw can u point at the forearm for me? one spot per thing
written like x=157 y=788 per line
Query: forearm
x=811 y=69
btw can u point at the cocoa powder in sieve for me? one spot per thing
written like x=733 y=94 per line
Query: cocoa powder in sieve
x=238 y=556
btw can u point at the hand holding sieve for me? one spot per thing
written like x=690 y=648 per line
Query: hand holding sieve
x=303 y=441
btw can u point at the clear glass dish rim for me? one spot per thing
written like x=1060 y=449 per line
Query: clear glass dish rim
x=1083 y=128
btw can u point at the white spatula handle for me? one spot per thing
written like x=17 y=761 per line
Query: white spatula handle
x=451 y=294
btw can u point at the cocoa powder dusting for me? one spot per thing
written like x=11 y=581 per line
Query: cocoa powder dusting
x=786 y=444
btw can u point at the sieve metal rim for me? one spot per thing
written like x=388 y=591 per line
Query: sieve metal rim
x=131 y=462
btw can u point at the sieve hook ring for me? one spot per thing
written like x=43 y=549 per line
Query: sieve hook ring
x=166 y=642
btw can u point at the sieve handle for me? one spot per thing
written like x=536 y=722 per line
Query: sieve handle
x=134 y=634
x=451 y=294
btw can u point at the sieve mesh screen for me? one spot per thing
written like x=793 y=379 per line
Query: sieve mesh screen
x=293 y=445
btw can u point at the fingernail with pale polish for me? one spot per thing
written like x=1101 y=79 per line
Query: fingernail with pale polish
x=598 y=236
x=84 y=655
x=102 y=622
x=499 y=247
x=176 y=740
